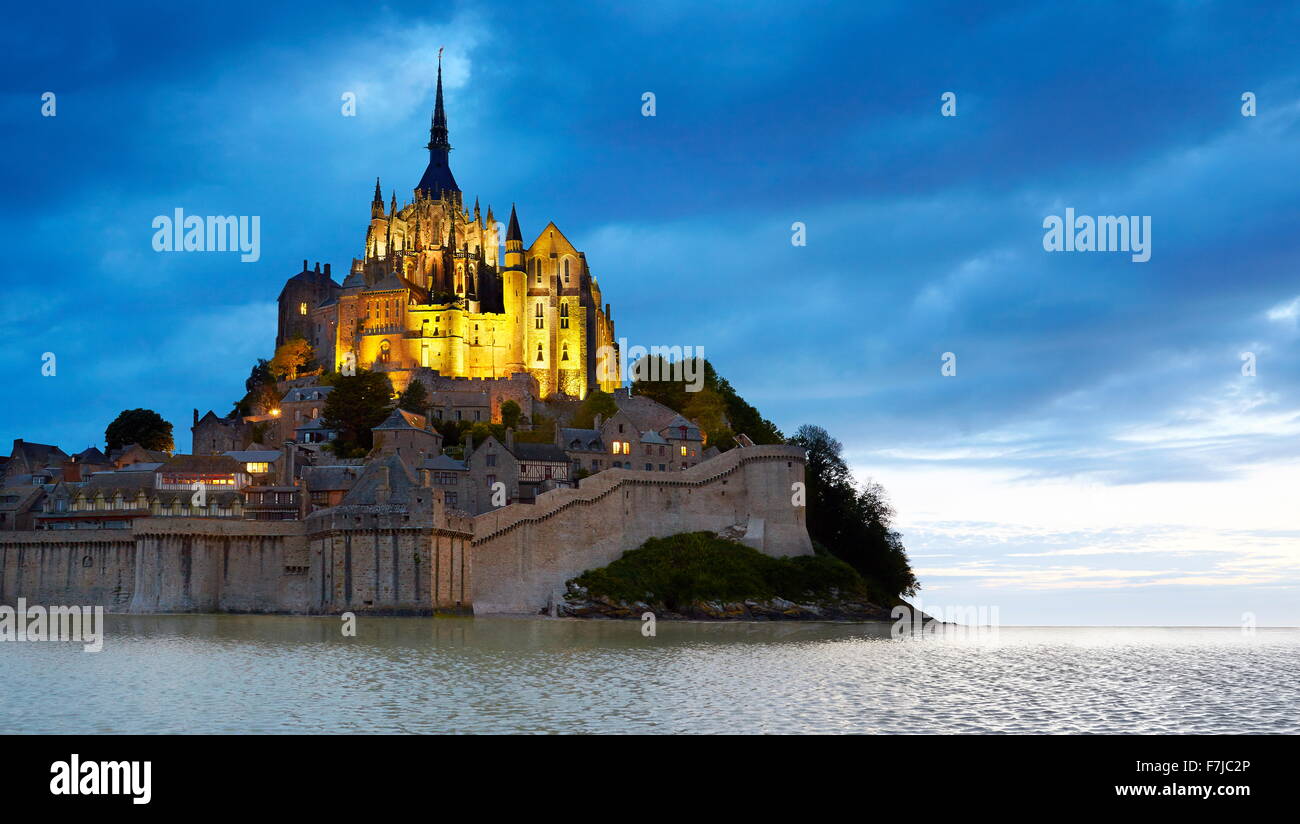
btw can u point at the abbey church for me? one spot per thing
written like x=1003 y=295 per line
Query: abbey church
x=432 y=294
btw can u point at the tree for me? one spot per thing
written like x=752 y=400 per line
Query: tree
x=854 y=523
x=510 y=414
x=358 y=404
x=290 y=356
x=735 y=418
x=141 y=426
x=260 y=376
x=260 y=391
x=415 y=398
x=596 y=403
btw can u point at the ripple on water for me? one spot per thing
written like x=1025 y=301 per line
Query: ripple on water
x=238 y=674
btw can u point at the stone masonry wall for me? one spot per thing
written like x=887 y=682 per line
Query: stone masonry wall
x=523 y=554
x=512 y=560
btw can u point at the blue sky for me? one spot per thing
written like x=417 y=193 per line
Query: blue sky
x=1098 y=458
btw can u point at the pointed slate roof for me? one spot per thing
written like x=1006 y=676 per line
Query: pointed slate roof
x=401 y=419
x=437 y=176
x=400 y=483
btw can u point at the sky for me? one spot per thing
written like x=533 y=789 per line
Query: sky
x=1099 y=457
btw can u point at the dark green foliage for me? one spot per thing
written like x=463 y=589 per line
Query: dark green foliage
x=719 y=410
x=596 y=403
x=260 y=390
x=415 y=399
x=143 y=426
x=700 y=566
x=510 y=414
x=451 y=431
x=358 y=403
x=853 y=522
x=481 y=431
x=260 y=376
x=543 y=431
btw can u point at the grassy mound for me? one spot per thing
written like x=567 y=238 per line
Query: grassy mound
x=700 y=566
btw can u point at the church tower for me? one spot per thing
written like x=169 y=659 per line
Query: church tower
x=432 y=298
x=437 y=180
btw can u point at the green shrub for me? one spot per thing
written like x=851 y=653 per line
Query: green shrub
x=700 y=566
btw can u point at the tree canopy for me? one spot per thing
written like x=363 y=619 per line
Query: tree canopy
x=596 y=403
x=358 y=403
x=510 y=414
x=141 y=426
x=415 y=398
x=716 y=406
x=854 y=523
x=290 y=357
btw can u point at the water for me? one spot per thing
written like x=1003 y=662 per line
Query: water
x=271 y=674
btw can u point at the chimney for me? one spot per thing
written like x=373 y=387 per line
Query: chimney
x=424 y=477
x=599 y=419
x=289 y=469
x=327 y=270
x=383 y=490
x=510 y=440
x=196 y=417
x=304 y=264
x=318 y=267
x=469 y=444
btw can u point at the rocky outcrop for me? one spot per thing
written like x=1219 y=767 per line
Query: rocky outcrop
x=578 y=603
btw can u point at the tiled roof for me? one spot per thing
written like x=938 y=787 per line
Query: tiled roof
x=38 y=454
x=300 y=394
x=119 y=480
x=588 y=439
x=365 y=491
x=540 y=452
x=255 y=455
x=212 y=464
x=444 y=463
x=321 y=478
x=401 y=419
x=92 y=455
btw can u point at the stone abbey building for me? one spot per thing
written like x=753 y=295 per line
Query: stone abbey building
x=432 y=292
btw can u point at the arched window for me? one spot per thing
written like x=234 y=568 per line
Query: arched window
x=564 y=316
x=383 y=351
x=539 y=351
x=564 y=352
x=566 y=271
x=539 y=319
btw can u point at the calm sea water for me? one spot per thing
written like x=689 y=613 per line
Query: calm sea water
x=268 y=674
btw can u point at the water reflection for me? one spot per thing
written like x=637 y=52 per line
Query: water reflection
x=233 y=674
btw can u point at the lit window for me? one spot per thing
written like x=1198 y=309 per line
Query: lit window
x=538 y=317
x=302 y=308
x=683 y=450
x=257 y=467
x=564 y=316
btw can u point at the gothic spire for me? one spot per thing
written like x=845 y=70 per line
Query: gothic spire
x=437 y=177
x=512 y=232
x=438 y=129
